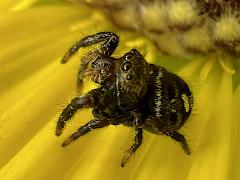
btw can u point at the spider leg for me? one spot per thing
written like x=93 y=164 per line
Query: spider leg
x=138 y=141
x=77 y=103
x=93 y=124
x=107 y=48
x=179 y=138
x=153 y=125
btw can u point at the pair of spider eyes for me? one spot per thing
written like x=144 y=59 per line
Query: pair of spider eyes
x=125 y=67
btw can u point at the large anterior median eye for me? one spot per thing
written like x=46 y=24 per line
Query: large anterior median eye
x=126 y=66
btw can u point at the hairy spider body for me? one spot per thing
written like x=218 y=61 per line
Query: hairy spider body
x=132 y=92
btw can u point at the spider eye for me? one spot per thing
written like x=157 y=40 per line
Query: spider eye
x=133 y=51
x=127 y=56
x=126 y=66
x=129 y=77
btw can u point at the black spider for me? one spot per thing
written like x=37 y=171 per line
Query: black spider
x=132 y=92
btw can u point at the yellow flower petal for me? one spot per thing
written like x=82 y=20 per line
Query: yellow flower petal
x=16 y=5
x=234 y=172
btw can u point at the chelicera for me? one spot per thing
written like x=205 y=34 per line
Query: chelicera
x=132 y=92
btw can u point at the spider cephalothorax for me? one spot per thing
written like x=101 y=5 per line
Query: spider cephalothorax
x=132 y=92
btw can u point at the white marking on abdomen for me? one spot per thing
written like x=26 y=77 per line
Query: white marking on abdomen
x=185 y=102
x=158 y=94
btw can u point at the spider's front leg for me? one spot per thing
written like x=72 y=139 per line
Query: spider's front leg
x=106 y=49
x=110 y=42
x=88 y=100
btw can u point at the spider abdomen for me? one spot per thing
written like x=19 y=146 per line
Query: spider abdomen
x=170 y=100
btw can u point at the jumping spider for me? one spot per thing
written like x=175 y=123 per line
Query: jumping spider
x=132 y=92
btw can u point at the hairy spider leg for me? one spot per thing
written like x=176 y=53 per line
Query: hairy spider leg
x=129 y=153
x=151 y=124
x=105 y=50
x=93 y=124
x=111 y=42
x=137 y=123
x=77 y=103
x=179 y=138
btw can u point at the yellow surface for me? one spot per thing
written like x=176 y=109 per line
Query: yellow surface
x=35 y=87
